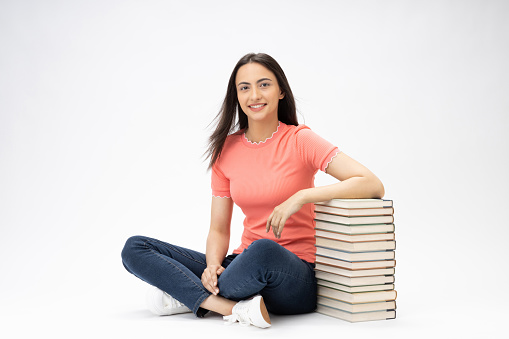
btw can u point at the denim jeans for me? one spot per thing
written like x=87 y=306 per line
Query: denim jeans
x=286 y=282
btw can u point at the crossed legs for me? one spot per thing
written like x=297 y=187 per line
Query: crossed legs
x=286 y=282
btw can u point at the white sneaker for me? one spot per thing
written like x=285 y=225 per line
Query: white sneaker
x=161 y=303
x=250 y=312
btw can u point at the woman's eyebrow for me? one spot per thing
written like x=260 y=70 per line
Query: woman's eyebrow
x=247 y=83
x=263 y=79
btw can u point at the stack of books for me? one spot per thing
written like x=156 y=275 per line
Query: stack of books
x=355 y=259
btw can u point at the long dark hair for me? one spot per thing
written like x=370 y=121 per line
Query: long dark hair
x=230 y=108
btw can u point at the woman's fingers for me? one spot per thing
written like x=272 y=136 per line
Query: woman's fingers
x=275 y=229
x=278 y=229
x=277 y=222
x=205 y=281
x=209 y=280
x=277 y=226
x=281 y=213
x=269 y=220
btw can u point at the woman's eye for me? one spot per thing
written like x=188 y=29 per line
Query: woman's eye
x=264 y=84
x=243 y=88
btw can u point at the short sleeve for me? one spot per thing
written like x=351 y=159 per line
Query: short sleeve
x=315 y=151
x=220 y=184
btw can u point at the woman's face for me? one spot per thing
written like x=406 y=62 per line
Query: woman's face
x=258 y=92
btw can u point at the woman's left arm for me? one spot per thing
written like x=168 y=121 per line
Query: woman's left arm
x=355 y=182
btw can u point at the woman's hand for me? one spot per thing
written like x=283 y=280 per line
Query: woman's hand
x=209 y=278
x=282 y=212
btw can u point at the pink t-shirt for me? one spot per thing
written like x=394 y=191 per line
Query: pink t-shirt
x=258 y=177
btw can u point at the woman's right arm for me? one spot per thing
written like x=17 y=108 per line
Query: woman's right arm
x=218 y=241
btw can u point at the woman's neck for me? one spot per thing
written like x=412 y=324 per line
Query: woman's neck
x=259 y=131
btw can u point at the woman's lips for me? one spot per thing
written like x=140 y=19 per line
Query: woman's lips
x=257 y=107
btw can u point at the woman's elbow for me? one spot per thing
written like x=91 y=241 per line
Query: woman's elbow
x=380 y=190
x=377 y=188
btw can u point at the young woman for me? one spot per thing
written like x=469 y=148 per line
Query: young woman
x=265 y=162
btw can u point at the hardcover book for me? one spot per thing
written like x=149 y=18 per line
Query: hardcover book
x=358 y=297
x=355 y=289
x=357 y=203
x=359 y=212
x=353 y=229
x=354 y=273
x=353 y=257
x=358 y=265
x=354 y=238
x=356 y=246
x=355 y=317
x=374 y=219
x=354 y=281
x=357 y=308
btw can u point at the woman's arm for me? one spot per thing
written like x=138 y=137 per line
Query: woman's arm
x=218 y=241
x=356 y=182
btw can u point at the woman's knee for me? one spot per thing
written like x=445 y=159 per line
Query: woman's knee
x=130 y=247
x=264 y=244
x=263 y=251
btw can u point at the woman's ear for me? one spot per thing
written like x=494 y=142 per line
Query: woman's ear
x=281 y=95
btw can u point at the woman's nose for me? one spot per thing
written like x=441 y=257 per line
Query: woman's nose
x=255 y=94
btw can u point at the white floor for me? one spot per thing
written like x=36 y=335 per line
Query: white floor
x=112 y=313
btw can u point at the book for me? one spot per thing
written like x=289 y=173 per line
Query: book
x=360 y=265
x=352 y=273
x=354 y=237
x=356 y=298
x=354 y=281
x=357 y=203
x=383 y=219
x=357 y=308
x=356 y=246
x=362 y=212
x=354 y=257
x=355 y=289
x=355 y=317
x=354 y=229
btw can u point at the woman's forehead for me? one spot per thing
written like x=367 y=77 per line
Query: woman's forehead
x=252 y=72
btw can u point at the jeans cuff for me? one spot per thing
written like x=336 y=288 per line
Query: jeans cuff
x=200 y=313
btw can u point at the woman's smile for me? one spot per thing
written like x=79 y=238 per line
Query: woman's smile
x=257 y=107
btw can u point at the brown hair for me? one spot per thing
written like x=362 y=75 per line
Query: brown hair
x=230 y=108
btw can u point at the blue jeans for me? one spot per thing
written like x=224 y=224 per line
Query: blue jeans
x=286 y=282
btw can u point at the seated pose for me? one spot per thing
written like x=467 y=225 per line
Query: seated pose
x=265 y=162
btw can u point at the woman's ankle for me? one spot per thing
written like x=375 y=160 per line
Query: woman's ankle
x=218 y=304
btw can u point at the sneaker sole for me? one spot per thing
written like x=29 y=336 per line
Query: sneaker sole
x=265 y=313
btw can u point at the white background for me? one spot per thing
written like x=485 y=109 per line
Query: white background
x=104 y=108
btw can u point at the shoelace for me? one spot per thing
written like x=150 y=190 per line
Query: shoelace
x=239 y=314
